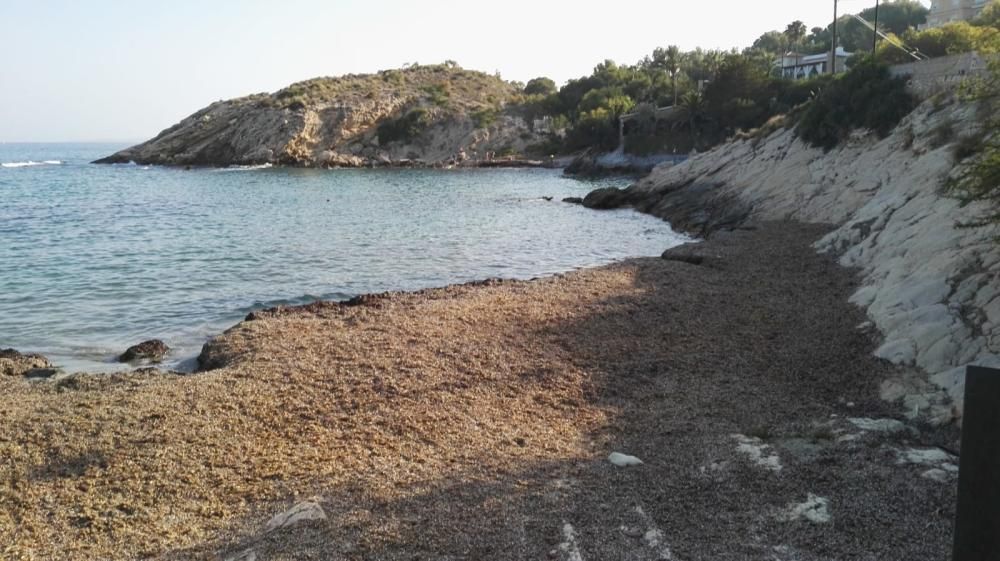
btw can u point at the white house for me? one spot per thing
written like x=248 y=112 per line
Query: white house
x=797 y=66
x=947 y=11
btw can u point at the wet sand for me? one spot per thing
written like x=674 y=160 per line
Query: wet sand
x=474 y=422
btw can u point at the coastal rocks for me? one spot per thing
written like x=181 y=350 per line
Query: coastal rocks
x=573 y=200
x=931 y=288
x=151 y=351
x=14 y=363
x=606 y=199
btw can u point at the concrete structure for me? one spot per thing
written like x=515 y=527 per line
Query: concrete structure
x=797 y=66
x=929 y=77
x=947 y=11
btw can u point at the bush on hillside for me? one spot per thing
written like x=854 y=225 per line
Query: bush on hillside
x=866 y=97
x=405 y=128
x=977 y=176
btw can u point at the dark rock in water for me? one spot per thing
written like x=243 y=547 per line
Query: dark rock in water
x=606 y=198
x=153 y=350
x=573 y=200
x=687 y=253
x=547 y=198
x=13 y=363
x=698 y=207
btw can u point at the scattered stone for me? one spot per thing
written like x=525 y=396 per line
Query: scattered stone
x=688 y=253
x=303 y=512
x=760 y=453
x=939 y=475
x=815 y=509
x=623 y=460
x=247 y=555
x=891 y=426
x=13 y=363
x=153 y=351
x=569 y=545
x=926 y=456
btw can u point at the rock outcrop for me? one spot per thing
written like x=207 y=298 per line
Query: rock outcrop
x=13 y=363
x=930 y=286
x=423 y=115
x=152 y=351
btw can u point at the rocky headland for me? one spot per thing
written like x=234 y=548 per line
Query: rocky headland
x=416 y=116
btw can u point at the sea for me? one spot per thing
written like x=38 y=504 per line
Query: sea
x=96 y=258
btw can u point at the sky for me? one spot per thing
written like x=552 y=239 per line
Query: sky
x=114 y=70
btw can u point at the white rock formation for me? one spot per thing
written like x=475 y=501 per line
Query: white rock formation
x=815 y=509
x=623 y=460
x=929 y=286
x=301 y=512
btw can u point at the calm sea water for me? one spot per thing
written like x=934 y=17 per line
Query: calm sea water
x=96 y=258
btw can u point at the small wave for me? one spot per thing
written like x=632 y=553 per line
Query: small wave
x=31 y=163
x=247 y=168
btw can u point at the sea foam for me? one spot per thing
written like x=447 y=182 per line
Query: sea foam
x=31 y=163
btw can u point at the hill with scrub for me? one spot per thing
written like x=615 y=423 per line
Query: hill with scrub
x=414 y=115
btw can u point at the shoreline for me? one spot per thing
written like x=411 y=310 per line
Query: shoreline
x=455 y=407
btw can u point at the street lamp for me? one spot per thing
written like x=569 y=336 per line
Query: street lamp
x=833 y=42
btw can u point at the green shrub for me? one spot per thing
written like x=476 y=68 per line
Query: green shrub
x=866 y=97
x=439 y=93
x=977 y=176
x=405 y=128
x=483 y=118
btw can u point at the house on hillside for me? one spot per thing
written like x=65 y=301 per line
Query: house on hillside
x=797 y=66
x=948 y=11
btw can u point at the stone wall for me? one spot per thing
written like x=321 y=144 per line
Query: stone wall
x=929 y=77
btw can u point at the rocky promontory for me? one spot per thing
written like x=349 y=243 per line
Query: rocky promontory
x=420 y=115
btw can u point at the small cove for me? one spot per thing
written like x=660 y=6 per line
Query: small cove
x=96 y=258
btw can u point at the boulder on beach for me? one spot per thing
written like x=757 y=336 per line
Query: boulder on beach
x=13 y=363
x=690 y=253
x=153 y=351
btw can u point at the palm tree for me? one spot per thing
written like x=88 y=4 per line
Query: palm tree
x=690 y=113
x=673 y=59
x=795 y=32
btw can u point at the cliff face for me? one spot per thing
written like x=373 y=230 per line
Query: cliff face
x=930 y=287
x=426 y=114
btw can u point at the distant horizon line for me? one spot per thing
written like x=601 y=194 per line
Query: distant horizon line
x=113 y=141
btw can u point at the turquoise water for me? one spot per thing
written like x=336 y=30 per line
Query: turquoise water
x=96 y=258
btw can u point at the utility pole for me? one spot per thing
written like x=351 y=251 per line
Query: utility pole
x=833 y=42
x=875 y=32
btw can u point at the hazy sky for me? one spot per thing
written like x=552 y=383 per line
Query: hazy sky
x=124 y=70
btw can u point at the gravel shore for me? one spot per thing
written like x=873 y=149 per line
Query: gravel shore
x=474 y=422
